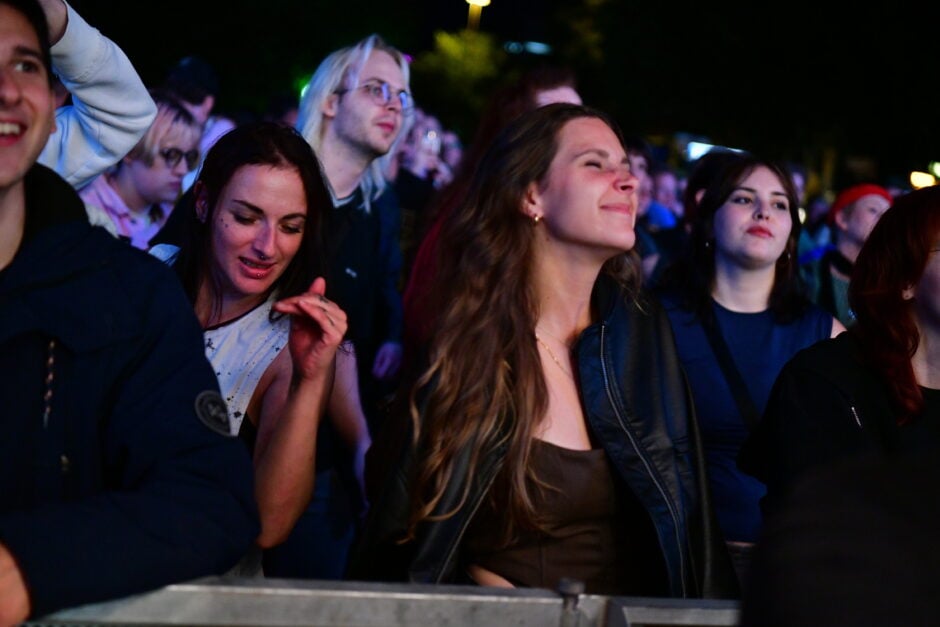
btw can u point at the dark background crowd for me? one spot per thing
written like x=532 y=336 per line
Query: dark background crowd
x=460 y=307
x=840 y=88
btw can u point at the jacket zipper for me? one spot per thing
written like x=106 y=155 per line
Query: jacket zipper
x=646 y=464
x=463 y=528
x=855 y=415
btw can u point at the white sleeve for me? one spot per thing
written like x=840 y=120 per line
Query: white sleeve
x=111 y=107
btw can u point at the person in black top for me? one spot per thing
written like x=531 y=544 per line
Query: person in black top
x=876 y=389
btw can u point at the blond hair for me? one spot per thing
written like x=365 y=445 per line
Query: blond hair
x=172 y=117
x=341 y=70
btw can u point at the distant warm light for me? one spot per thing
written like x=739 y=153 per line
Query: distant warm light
x=474 y=11
x=922 y=179
x=801 y=212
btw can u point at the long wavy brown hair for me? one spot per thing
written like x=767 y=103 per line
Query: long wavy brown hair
x=892 y=259
x=484 y=388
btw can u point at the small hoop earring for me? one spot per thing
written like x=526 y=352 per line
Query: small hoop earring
x=536 y=219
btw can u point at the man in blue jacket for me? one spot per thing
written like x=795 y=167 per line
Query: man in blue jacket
x=116 y=472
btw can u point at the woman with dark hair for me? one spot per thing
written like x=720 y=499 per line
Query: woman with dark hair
x=738 y=313
x=550 y=434
x=252 y=247
x=876 y=389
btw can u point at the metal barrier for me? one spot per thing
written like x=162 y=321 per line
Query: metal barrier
x=229 y=601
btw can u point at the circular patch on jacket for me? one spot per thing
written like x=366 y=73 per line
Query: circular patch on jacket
x=212 y=412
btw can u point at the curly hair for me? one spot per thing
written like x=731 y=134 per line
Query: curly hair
x=484 y=388
x=893 y=259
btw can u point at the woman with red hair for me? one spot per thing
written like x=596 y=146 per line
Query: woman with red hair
x=876 y=389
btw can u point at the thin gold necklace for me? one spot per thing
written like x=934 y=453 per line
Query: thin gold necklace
x=551 y=354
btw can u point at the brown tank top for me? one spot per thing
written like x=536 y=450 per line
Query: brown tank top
x=594 y=530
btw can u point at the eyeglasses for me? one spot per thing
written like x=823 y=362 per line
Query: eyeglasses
x=173 y=156
x=381 y=94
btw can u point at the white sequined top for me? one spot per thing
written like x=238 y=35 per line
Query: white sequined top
x=240 y=350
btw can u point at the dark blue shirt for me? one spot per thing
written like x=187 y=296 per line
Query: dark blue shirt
x=760 y=347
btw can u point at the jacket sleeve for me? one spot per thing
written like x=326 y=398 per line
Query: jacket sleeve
x=177 y=501
x=111 y=107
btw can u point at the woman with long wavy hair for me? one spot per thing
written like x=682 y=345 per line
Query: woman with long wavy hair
x=874 y=390
x=551 y=433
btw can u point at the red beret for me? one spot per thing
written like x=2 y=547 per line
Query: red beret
x=847 y=196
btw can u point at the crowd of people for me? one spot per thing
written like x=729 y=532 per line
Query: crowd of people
x=337 y=344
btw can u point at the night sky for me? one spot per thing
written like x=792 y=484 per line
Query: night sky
x=802 y=81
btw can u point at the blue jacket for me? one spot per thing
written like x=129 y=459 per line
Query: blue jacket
x=114 y=475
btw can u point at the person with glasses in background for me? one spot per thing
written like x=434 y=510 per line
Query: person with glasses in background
x=137 y=195
x=357 y=106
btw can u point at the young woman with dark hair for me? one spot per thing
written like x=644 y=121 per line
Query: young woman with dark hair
x=738 y=313
x=550 y=434
x=876 y=389
x=251 y=251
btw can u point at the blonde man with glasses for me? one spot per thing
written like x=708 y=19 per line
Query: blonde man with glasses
x=355 y=110
x=135 y=198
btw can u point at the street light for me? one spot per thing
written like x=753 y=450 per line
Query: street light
x=473 y=15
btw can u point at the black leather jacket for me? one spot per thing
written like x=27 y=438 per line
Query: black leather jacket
x=638 y=405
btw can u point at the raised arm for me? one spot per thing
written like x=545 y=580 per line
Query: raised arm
x=292 y=404
x=111 y=108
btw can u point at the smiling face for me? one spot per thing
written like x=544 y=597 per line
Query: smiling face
x=357 y=119
x=257 y=228
x=587 y=199
x=27 y=102
x=753 y=225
